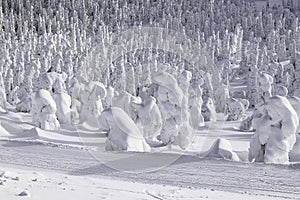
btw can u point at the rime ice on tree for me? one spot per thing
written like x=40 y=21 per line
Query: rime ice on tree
x=275 y=135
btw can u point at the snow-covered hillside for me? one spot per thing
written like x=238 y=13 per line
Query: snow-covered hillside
x=183 y=96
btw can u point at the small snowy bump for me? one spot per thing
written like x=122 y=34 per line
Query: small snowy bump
x=24 y=193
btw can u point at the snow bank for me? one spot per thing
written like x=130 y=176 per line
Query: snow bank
x=123 y=134
x=221 y=148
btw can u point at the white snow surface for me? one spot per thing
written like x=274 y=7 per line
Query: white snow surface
x=48 y=185
x=63 y=167
x=276 y=129
x=221 y=148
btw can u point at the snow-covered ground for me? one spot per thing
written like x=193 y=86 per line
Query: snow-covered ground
x=72 y=164
x=123 y=99
x=17 y=183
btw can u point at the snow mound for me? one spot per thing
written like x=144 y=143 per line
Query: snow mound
x=24 y=193
x=221 y=148
x=123 y=134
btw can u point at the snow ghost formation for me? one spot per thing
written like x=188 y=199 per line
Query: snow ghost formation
x=265 y=88
x=235 y=108
x=169 y=98
x=209 y=111
x=195 y=103
x=43 y=110
x=123 y=134
x=276 y=126
x=171 y=102
x=148 y=115
x=208 y=108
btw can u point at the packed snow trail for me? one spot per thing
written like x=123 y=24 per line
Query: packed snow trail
x=187 y=171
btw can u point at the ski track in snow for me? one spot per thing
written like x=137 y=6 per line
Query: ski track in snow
x=187 y=171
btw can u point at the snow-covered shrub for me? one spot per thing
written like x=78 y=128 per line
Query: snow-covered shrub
x=169 y=98
x=170 y=101
x=195 y=103
x=2 y=93
x=186 y=132
x=239 y=94
x=149 y=116
x=184 y=82
x=265 y=82
x=169 y=131
x=252 y=79
x=294 y=87
x=123 y=99
x=75 y=92
x=98 y=93
x=52 y=81
x=90 y=98
x=275 y=134
x=208 y=110
x=246 y=124
x=235 y=109
x=123 y=134
x=8 y=83
x=221 y=94
x=107 y=101
x=43 y=110
x=63 y=103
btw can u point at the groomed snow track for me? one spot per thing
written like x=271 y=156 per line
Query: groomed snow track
x=187 y=171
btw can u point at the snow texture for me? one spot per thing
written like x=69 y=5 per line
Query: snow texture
x=43 y=110
x=123 y=134
x=221 y=148
x=275 y=135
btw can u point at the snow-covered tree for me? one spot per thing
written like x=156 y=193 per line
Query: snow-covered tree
x=123 y=134
x=43 y=110
x=275 y=135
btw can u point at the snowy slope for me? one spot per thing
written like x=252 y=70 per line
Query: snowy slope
x=79 y=155
x=50 y=185
x=185 y=172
